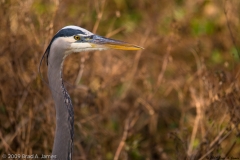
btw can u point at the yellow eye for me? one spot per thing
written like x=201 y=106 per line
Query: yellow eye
x=76 y=37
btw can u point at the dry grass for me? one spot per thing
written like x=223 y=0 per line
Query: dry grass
x=176 y=99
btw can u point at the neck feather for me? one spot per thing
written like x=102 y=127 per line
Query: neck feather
x=63 y=141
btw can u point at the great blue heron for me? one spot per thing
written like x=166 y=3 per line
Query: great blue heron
x=70 y=39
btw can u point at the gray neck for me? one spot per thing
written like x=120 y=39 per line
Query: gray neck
x=63 y=140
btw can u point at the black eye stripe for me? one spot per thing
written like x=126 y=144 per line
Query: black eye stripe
x=68 y=32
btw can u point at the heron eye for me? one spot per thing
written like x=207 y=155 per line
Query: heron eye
x=77 y=38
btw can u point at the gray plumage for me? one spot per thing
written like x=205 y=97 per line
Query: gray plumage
x=68 y=40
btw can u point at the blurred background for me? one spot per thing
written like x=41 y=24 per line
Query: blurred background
x=176 y=99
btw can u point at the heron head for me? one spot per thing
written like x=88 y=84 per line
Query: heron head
x=72 y=39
